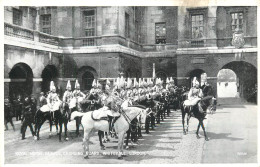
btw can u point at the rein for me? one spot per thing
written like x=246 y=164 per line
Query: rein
x=128 y=120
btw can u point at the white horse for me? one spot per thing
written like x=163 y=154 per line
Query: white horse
x=121 y=126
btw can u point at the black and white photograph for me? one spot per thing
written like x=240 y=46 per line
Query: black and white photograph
x=165 y=84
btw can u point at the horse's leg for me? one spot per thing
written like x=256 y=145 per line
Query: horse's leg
x=197 y=132
x=60 y=125
x=77 y=126
x=100 y=133
x=165 y=112
x=161 y=113
x=121 y=136
x=158 y=116
x=183 y=121
x=127 y=138
x=139 y=132
x=202 y=125
x=39 y=128
x=66 y=129
x=86 y=143
x=50 y=122
x=188 y=120
x=57 y=129
x=168 y=110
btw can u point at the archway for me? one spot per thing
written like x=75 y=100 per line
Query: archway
x=227 y=83
x=87 y=80
x=86 y=76
x=199 y=74
x=162 y=75
x=246 y=79
x=49 y=73
x=21 y=76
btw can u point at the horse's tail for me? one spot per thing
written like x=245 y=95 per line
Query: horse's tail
x=76 y=114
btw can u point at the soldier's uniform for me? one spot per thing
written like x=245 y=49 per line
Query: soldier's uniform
x=18 y=107
x=195 y=94
x=8 y=114
x=78 y=95
x=150 y=119
x=53 y=100
x=28 y=117
x=68 y=94
x=93 y=100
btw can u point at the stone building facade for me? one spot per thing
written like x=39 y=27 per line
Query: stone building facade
x=69 y=43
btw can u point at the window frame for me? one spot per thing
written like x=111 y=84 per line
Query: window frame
x=127 y=25
x=44 y=25
x=20 y=20
x=198 y=11
x=229 y=11
x=231 y=25
x=85 y=23
x=198 y=26
x=156 y=37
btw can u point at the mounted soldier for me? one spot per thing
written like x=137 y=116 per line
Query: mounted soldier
x=195 y=94
x=53 y=101
x=92 y=99
x=28 y=117
x=67 y=97
x=78 y=95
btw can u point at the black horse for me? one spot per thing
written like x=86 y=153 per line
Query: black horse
x=206 y=103
x=39 y=118
x=61 y=116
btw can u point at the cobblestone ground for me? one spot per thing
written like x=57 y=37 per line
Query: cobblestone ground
x=165 y=144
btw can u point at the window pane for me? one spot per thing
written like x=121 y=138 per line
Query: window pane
x=89 y=22
x=197 y=26
x=45 y=21
x=160 y=31
x=17 y=17
x=236 y=21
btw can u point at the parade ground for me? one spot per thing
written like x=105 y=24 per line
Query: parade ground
x=232 y=133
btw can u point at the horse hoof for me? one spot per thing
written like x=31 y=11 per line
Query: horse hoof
x=67 y=139
x=120 y=157
x=103 y=148
x=198 y=137
x=86 y=157
x=184 y=133
x=207 y=139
